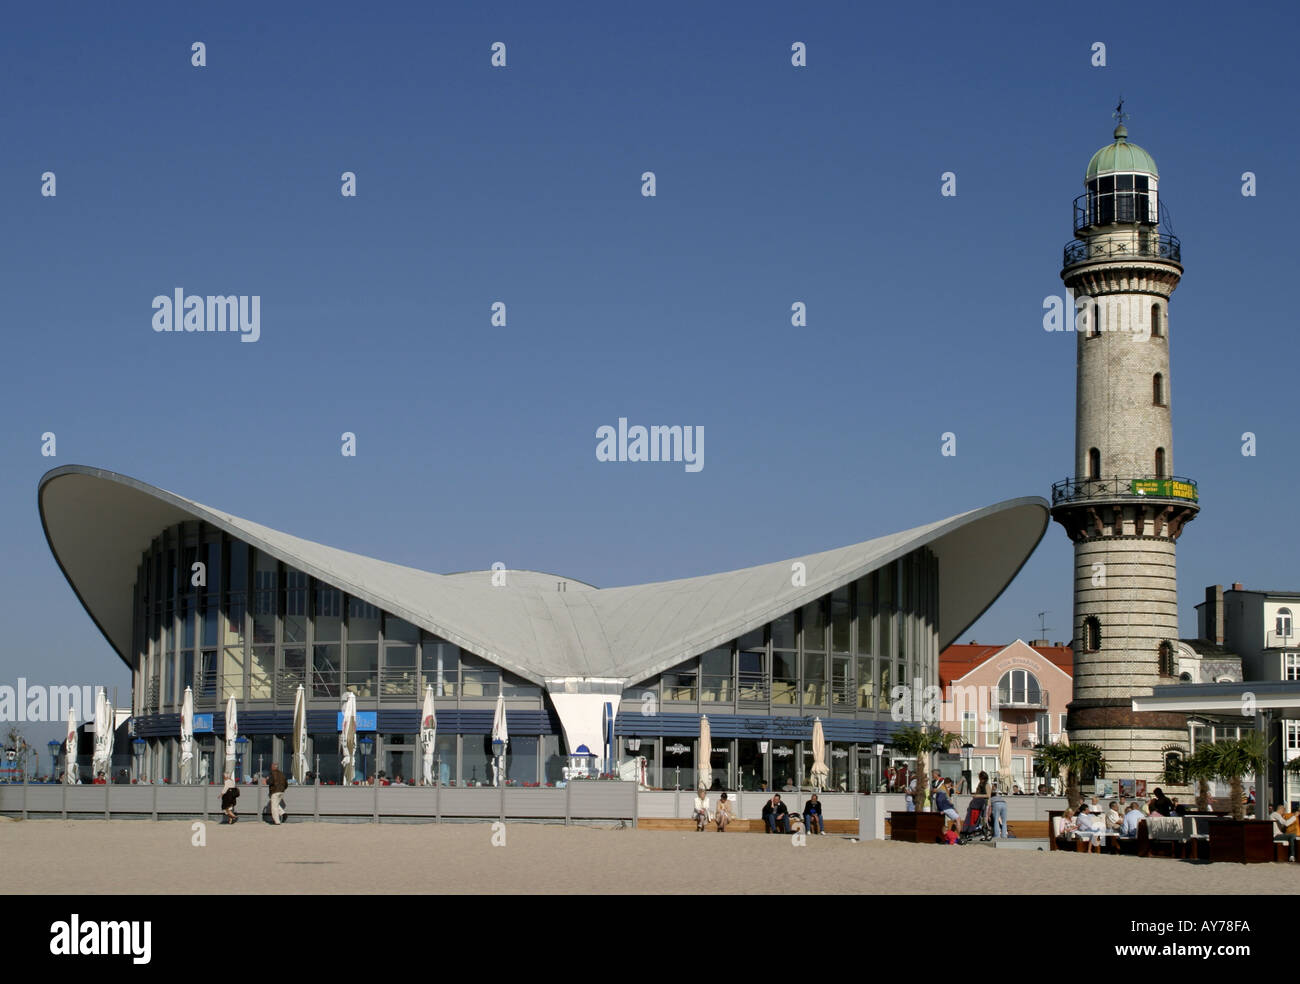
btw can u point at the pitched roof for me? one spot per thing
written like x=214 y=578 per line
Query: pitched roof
x=99 y=523
x=957 y=660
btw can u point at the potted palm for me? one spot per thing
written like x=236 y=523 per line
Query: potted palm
x=919 y=827
x=1241 y=840
x=1078 y=760
x=1199 y=766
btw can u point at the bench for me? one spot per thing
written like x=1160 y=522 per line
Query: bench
x=848 y=827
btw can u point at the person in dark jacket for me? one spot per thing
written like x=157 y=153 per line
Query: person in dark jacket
x=277 y=784
x=812 y=814
x=229 y=795
x=1160 y=805
x=775 y=816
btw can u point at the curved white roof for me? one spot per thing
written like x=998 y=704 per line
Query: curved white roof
x=99 y=523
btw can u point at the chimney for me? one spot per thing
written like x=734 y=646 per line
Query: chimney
x=1214 y=613
x=1236 y=586
x=1036 y=643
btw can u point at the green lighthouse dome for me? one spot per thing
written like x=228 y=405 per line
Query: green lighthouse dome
x=1121 y=156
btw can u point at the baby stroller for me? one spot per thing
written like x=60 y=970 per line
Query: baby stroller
x=977 y=826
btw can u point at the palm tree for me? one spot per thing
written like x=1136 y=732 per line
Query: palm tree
x=1078 y=760
x=1233 y=759
x=918 y=743
x=1201 y=767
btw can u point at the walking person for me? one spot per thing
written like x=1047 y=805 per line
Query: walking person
x=277 y=784
x=229 y=796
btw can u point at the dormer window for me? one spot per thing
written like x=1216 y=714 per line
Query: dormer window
x=1283 y=622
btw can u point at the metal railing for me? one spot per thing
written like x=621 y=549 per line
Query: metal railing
x=1276 y=640
x=1142 y=487
x=1148 y=245
x=1022 y=698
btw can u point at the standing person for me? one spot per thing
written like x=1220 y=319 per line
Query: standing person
x=911 y=795
x=277 y=784
x=980 y=801
x=998 y=804
x=229 y=796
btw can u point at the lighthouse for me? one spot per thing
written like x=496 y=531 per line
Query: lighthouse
x=1124 y=508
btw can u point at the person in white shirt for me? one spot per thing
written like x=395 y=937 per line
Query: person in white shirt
x=1113 y=820
x=1283 y=827
x=700 y=813
x=1089 y=829
x=1131 y=818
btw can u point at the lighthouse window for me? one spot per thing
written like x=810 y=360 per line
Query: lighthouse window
x=1094 y=464
x=1158 y=389
x=1160 y=462
x=1094 y=329
x=1155 y=321
x=1091 y=634
x=1166 y=656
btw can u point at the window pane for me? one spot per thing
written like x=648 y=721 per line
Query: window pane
x=814 y=625
x=363 y=620
x=362 y=668
x=399 y=630
x=478 y=678
x=325 y=670
x=864 y=610
x=814 y=679
x=785 y=678
x=328 y=617
x=841 y=620
x=263 y=668
x=783 y=636
x=440 y=665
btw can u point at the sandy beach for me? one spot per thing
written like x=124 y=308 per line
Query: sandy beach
x=143 y=857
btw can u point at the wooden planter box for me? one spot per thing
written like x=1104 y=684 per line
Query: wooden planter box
x=915 y=828
x=1243 y=841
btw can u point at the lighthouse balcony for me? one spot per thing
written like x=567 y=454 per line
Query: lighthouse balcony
x=1139 y=243
x=1119 y=488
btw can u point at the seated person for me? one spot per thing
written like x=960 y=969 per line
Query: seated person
x=1113 y=819
x=1129 y=828
x=700 y=812
x=950 y=835
x=944 y=805
x=1284 y=827
x=812 y=813
x=1088 y=828
x=723 y=815
x=776 y=818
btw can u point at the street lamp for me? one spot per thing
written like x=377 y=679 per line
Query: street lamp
x=137 y=753
x=53 y=746
x=241 y=746
x=366 y=744
x=965 y=750
x=499 y=753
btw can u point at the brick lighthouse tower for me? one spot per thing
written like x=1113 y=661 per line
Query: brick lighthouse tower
x=1124 y=510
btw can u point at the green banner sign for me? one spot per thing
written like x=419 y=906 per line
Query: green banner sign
x=1166 y=488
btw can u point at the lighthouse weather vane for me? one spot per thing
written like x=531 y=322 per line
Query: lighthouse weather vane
x=1119 y=116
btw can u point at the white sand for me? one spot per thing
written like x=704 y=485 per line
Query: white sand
x=144 y=857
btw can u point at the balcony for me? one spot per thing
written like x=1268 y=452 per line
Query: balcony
x=1278 y=640
x=1182 y=490
x=1122 y=207
x=1013 y=699
x=1140 y=245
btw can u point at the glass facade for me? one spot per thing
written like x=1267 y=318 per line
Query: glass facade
x=220 y=616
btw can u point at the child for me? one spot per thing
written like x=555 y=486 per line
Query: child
x=950 y=835
x=229 y=793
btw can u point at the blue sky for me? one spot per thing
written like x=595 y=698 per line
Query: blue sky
x=476 y=184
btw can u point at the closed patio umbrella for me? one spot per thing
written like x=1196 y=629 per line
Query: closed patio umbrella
x=428 y=734
x=348 y=739
x=300 y=736
x=187 y=736
x=70 y=773
x=704 y=767
x=499 y=733
x=232 y=734
x=103 y=734
x=821 y=773
x=1005 y=779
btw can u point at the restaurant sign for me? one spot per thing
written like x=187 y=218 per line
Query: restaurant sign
x=1166 y=488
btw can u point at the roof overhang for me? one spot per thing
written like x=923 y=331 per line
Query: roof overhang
x=1280 y=698
x=98 y=525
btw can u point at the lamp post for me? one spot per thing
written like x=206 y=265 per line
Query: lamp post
x=241 y=747
x=499 y=755
x=54 y=757
x=965 y=750
x=137 y=753
x=366 y=744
